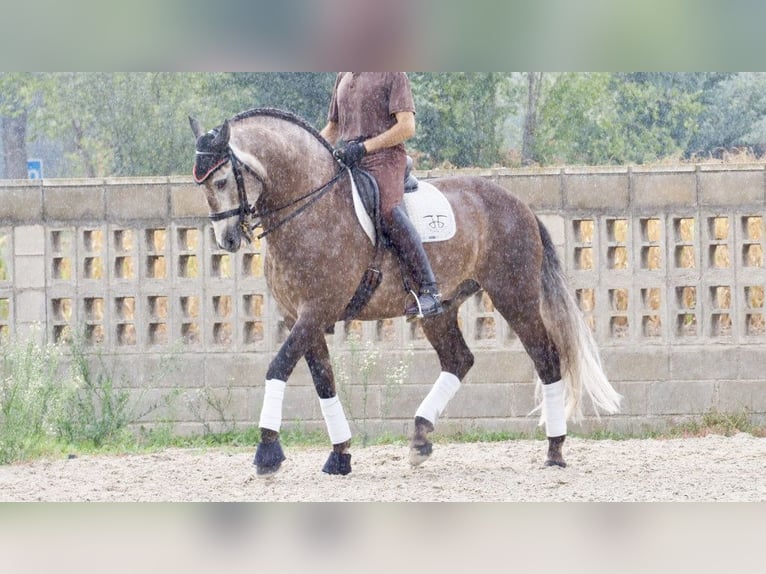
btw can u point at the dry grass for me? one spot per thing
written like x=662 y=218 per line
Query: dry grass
x=718 y=423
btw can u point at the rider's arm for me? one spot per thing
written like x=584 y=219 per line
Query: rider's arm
x=330 y=132
x=401 y=131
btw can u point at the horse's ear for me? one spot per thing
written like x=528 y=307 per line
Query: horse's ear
x=222 y=139
x=196 y=128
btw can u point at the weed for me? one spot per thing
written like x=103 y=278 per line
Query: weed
x=478 y=435
x=716 y=422
x=300 y=436
x=102 y=410
x=204 y=402
x=360 y=364
x=31 y=398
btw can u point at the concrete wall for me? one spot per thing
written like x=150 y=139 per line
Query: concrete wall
x=667 y=264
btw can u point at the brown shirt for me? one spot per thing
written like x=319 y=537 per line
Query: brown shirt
x=364 y=103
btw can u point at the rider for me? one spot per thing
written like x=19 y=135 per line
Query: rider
x=371 y=115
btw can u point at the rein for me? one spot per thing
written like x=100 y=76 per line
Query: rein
x=219 y=155
x=245 y=210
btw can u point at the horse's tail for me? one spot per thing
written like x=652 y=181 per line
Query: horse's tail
x=580 y=361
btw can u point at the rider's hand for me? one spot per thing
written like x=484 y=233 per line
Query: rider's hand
x=351 y=153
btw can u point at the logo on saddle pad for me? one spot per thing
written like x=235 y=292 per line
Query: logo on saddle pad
x=429 y=211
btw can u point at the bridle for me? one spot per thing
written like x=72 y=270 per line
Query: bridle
x=247 y=212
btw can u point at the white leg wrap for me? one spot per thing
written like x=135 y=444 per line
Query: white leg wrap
x=436 y=401
x=554 y=413
x=335 y=419
x=271 y=411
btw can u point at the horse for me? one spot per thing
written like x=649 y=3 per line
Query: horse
x=270 y=168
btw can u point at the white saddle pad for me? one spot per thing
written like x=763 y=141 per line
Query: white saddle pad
x=428 y=210
x=430 y=213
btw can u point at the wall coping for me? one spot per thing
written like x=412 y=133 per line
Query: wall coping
x=427 y=173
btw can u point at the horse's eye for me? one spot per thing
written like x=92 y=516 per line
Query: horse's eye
x=220 y=184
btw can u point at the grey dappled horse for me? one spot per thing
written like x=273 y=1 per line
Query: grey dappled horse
x=269 y=165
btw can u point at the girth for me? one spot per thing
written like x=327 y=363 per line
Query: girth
x=373 y=276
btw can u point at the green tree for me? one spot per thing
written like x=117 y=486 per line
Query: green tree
x=306 y=94
x=733 y=115
x=18 y=93
x=529 y=138
x=576 y=122
x=658 y=113
x=602 y=118
x=130 y=124
x=461 y=116
x=123 y=124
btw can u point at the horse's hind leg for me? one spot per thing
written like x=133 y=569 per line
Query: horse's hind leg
x=525 y=319
x=456 y=359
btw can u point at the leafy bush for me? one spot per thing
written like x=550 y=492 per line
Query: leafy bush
x=102 y=409
x=32 y=398
x=45 y=406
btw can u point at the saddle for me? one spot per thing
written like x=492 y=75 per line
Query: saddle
x=369 y=194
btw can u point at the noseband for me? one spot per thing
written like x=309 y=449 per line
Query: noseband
x=244 y=209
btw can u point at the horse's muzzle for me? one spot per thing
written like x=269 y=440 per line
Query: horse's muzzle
x=231 y=240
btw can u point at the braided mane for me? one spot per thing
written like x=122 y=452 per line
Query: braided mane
x=283 y=115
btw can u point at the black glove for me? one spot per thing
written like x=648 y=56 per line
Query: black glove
x=351 y=153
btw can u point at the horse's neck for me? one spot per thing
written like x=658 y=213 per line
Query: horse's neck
x=292 y=160
x=294 y=164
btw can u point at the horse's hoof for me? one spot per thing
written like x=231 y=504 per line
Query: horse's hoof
x=338 y=463
x=268 y=458
x=266 y=471
x=420 y=453
x=559 y=463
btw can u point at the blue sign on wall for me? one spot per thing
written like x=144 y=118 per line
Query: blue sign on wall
x=35 y=168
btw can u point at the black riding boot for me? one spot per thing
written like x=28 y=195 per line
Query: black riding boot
x=408 y=246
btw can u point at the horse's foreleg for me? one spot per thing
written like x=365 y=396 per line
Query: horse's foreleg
x=318 y=359
x=269 y=455
x=456 y=359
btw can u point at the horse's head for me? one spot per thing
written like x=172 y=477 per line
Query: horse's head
x=217 y=168
x=291 y=158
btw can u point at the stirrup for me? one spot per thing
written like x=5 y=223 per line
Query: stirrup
x=418 y=312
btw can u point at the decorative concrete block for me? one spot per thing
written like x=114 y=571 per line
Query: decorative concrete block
x=29 y=240
x=742 y=396
x=29 y=272
x=597 y=191
x=22 y=202
x=481 y=401
x=31 y=306
x=631 y=364
x=720 y=186
x=72 y=200
x=658 y=189
x=681 y=397
x=137 y=199
x=187 y=199
x=707 y=363
x=538 y=190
